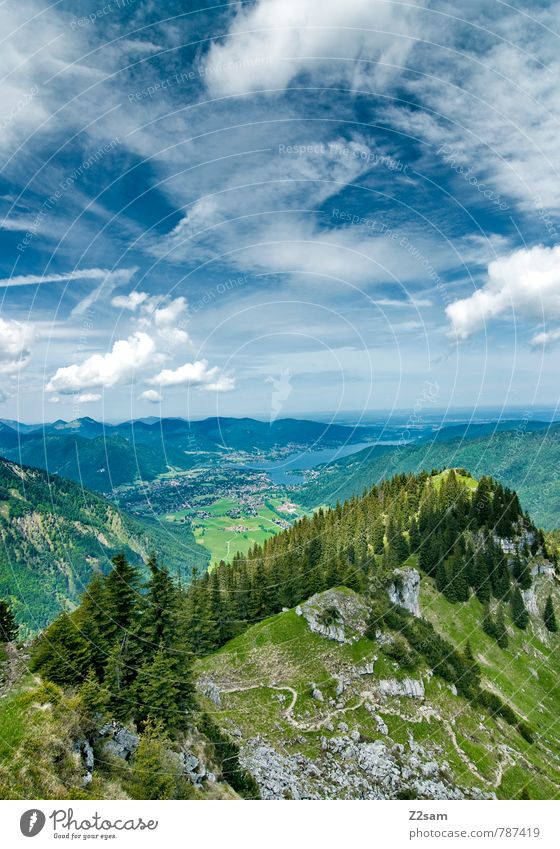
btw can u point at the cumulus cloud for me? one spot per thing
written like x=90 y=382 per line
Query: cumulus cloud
x=88 y=397
x=159 y=315
x=150 y=395
x=16 y=338
x=525 y=283
x=225 y=383
x=105 y=370
x=131 y=301
x=189 y=374
x=545 y=338
x=272 y=41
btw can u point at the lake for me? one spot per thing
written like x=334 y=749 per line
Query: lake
x=285 y=471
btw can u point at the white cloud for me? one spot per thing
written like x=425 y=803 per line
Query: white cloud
x=131 y=301
x=105 y=370
x=190 y=374
x=526 y=283
x=545 y=338
x=109 y=281
x=272 y=41
x=16 y=338
x=162 y=316
x=493 y=109
x=118 y=276
x=150 y=395
x=88 y=397
x=224 y=383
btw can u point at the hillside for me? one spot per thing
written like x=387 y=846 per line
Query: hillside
x=324 y=712
x=402 y=645
x=56 y=535
x=525 y=460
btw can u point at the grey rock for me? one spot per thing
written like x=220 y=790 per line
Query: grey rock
x=119 y=740
x=408 y=687
x=405 y=590
x=350 y=610
x=211 y=690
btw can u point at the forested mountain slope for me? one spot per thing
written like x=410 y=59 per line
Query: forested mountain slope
x=526 y=461
x=55 y=536
x=404 y=644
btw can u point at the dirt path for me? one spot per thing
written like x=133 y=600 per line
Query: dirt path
x=370 y=697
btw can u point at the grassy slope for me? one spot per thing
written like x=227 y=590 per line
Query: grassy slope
x=215 y=534
x=56 y=535
x=283 y=652
x=525 y=461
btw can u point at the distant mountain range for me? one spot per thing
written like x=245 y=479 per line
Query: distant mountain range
x=55 y=536
x=104 y=456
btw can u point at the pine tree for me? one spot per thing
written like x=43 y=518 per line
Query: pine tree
x=521 y=572
x=164 y=689
x=481 y=578
x=94 y=702
x=62 y=655
x=160 y=617
x=8 y=625
x=152 y=774
x=414 y=536
x=549 y=616
x=518 y=610
x=457 y=587
x=122 y=592
x=378 y=534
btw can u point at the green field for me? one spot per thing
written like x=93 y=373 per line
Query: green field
x=220 y=533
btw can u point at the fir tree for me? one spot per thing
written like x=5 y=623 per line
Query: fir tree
x=62 y=655
x=8 y=624
x=519 y=612
x=94 y=701
x=480 y=577
x=152 y=772
x=549 y=616
x=122 y=589
x=521 y=572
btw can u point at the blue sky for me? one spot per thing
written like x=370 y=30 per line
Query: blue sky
x=277 y=207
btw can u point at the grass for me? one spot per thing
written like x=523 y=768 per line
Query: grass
x=216 y=533
x=480 y=752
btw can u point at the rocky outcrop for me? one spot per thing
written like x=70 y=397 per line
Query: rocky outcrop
x=405 y=590
x=408 y=687
x=350 y=768
x=530 y=601
x=211 y=690
x=118 y=740
x=336 y=614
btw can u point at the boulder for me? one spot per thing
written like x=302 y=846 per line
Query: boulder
x=336 y=614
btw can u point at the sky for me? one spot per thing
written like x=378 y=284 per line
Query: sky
x=278 y=207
